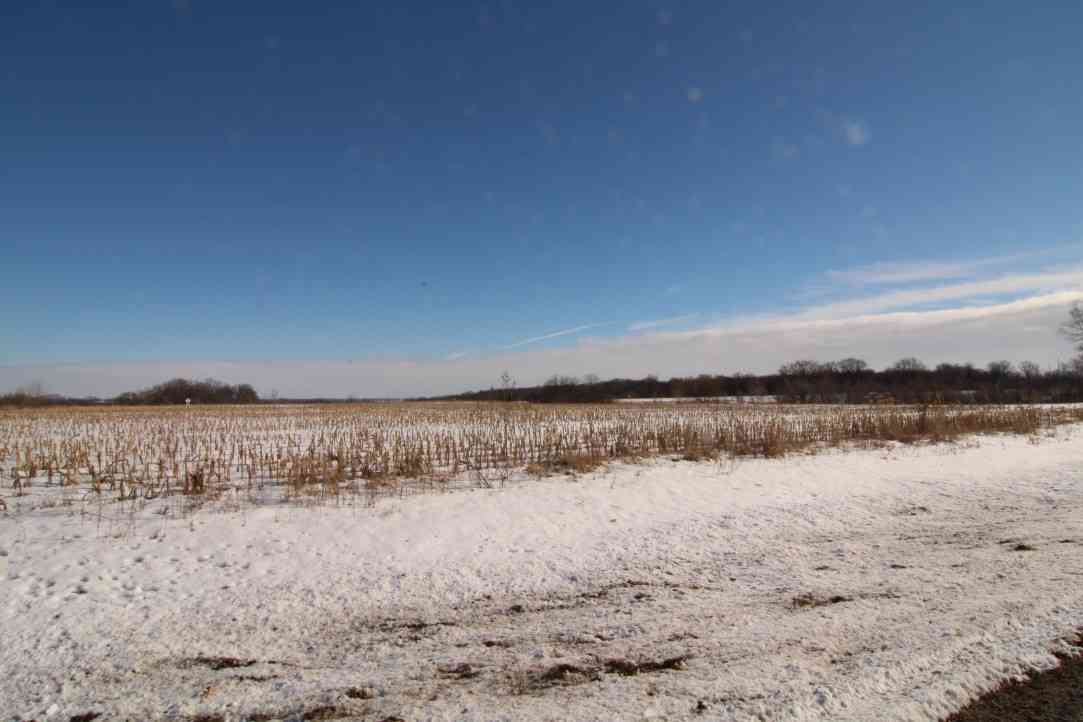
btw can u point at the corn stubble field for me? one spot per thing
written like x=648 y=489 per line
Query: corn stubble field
x=336 y=454
x=211 y=564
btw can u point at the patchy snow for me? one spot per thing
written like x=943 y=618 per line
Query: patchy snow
x=892 y=583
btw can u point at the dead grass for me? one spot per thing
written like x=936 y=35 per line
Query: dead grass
x=569 y=463
x=334 y=454
x=568 y=674
x=628 y=667
x=809 y=600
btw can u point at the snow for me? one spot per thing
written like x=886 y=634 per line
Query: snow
x=464 y=605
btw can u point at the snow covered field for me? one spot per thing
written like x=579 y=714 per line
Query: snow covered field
x=891 y=583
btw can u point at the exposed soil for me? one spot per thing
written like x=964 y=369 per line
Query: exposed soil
x=1053 y=696
x=218 y=663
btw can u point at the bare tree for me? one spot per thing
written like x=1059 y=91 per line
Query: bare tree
x=1001 y=368
x=1072 y=329
x=909 y=364
x=591 y=379
x=1030 y=370
x=851 y=365
x=800 y=368
x=34 y=389
x=507 y=386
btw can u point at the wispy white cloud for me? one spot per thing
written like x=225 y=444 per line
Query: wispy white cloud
x=555 y=334
x=1007 y=284
x=658 y=323
x=815 y=320
x=855 y=132
x=852 y=131
x=1022 y=329
x=901 y=273
x=904 y=273
x=781 y=149
x=974 y=316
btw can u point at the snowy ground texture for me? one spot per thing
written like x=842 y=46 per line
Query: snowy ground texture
x=888 y=584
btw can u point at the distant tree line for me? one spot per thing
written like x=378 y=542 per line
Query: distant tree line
x=176 y=391
x=846 y=381
x=910 y=381
x=30 y=395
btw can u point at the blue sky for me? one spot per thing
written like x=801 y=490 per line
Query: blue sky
x=231 y=187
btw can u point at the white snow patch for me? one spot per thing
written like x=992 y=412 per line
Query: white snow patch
x=463 y=605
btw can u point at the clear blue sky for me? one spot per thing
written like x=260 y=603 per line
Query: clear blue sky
x=283 y=180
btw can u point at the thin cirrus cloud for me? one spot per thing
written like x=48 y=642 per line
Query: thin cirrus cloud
x=904 y=273
x=1004 y=285
x=852 y=131
x=815 y=321
x=555 y=334
x=1022 y=329
x=855 y=132
x=659 y=323
x=1012 y=316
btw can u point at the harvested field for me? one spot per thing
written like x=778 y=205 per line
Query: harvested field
x=876 y=579
x=335 y=453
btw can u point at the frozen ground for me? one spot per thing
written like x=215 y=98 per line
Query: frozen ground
x=888 y=584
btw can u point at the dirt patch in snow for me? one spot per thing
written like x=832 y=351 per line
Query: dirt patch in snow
x=565 y=673
x=809 y=600
x=802 y=601
x=218 y=663
x=314 y=714
x=1053 y=696
x=629 y=668
x=459 y=671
